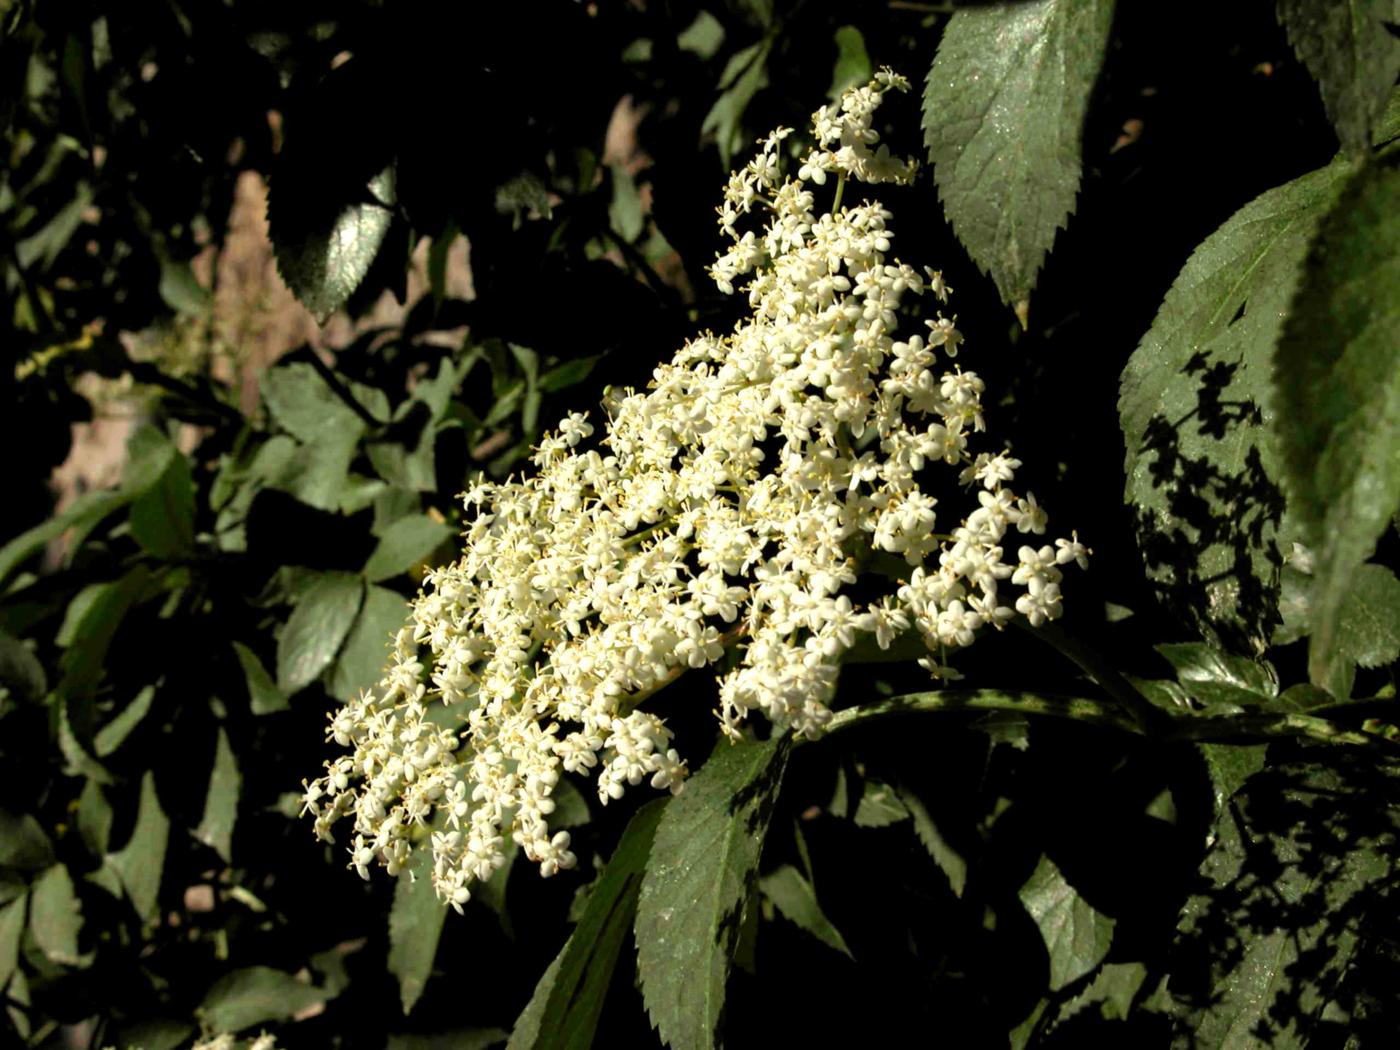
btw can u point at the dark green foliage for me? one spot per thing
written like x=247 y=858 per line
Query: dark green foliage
x=1027 y=862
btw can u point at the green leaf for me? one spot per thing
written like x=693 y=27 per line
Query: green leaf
x=89 y=626
x=87 y=512
x=1003 y=116
x=361 y=662
x=324 y=266
x=23 y=844
x=879 y=806
x=1215 y=678
x=20 y=670
x=1337 y=381
x=1201 y=468
x=744 y=75
x=949 y=860
x=1076 y=936
x=162 y=518
x=12 y=917
x=305 y=406
x=80 y=761
x=114 y=733
x=625 y=212
x=568 y=374
x=404 y=544
x=95 y=819
x=256 y=995
x=569 y=998
x=318 y=625
x=1112 y=990
x=1297 y=879
x=853 y=66
x=181 y=290
x=1229 y=766
x=221 y=802
x=703 y=36
x=1368 y=626
x=140 y=862
x=56 y=916
x=456 y=1039
x=1351 y=55
x=158 y=1034
x=263 y=695
x=795 y=897
x=697 y=887
x=415 y=925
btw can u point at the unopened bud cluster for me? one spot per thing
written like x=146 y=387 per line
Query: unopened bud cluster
x=722 y=517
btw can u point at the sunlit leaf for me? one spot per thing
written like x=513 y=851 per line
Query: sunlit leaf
x=1003 y=116
x=697 y=888
x=56 y=916
x=415 y=924
x=1337 y=381
x=1351 y=55
x=1076 y=936
x=1202 y=472
x=141 y=861
x=569 y=998
x=316 y=628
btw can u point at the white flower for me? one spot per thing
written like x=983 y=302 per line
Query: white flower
x=722 y=514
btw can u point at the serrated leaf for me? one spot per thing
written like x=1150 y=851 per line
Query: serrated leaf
x=949 y=860
x=325 y=263
x=23 y=844
x=404 y=544
x=1229 y=766
x=114 y=733
x=1214 y=678
x=56 y=916
x=316 y=628
x=1076 y=936
x=879 y=806
x=1337 y=384
x=1201 y=468
x=1368 y=627
x=1346 y=48
x=415 y=925
x=12 y=922
x=696 y=890
x=795 y=898
x=569 y=998
x=221 y=800
x=1003 y=118
x=256 y=995
x=141 y=861
x=263 y=695
x=366 y=652
x=1297 y=879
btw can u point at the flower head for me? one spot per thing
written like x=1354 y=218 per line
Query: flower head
x=726 y=509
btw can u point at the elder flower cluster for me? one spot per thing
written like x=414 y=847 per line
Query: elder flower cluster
x=721 y=518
